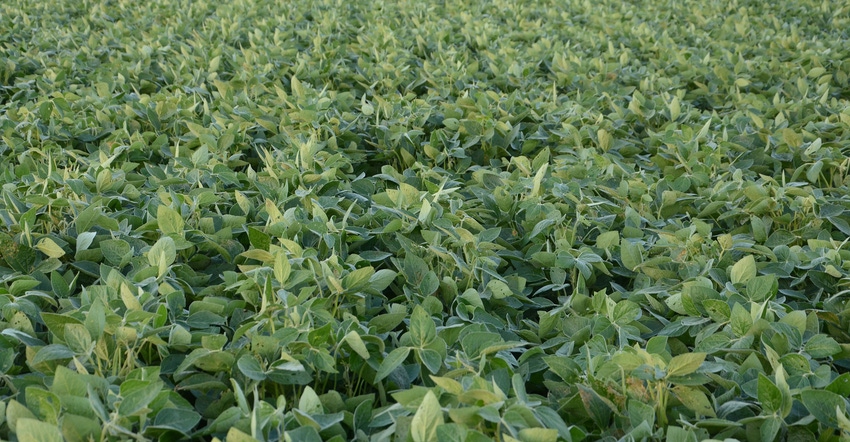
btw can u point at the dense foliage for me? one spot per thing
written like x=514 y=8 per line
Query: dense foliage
x=424 y=220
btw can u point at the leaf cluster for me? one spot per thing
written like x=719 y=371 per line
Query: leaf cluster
x=517 y=221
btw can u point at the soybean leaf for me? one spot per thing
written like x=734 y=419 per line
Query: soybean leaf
x=823 y=404
x=685 y=364
x=744 y=270
x=250 y=368
x=393 y=360
x=769 y=395
x=31 y=430
x=423 y=427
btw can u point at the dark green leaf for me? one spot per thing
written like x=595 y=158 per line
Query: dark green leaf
x=769 y=395
x=823 y=405
x=250 y=368
x=391 y=362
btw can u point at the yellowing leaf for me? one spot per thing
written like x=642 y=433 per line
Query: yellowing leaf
x=694 y=399
x=129 y=298
x=259 y=255
x=423 y=427
x=282 y=268
x=450 y=385
x=675 y=109
x=235 y=435
x=50 y=248
x=604 y=139
x=538 y=180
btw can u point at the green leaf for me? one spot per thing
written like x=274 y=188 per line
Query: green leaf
x=386 y=322
x=282 y=267
x=744 y=270
x=162 y=255
x=770 y=428
x=423 y=331
x=429 y=415
x=796 y=319
x=31 y=430
x=822 y=404
x=310 y=402
x=452 y=432
x=741 y=320
x=177 y=419
x=43 y=403
x=225 y=141
x=52 y=352
x=16 y=411
x=70 y=383
x=374 y=255
x=59 y=285
x=84 y=240
x=630 y=254
x=769 y=395
x=80 y=428
x=625 y=312
x=538 y=435
x=259 y=239
x=608 y=240
x=694 y=399
x=169 y=220
x=136 y=395
x=215 y=361
x=354 y=341
x=840 y=385
x=115 y=251
x=381 y=280
x=88 y=218
x=77 y=338
x=320 y=422
x=565 y=368
x=391 y=362
x=499 y=289
x=358 y=278
x=249 y=366
x=640 y=412
x=718 y=310
x=431 y=358
x=95 y=321
x=236 y=435
x=822 y=346
x=761 y=288
x=685 y=364
x=56 y=323
x=474 y=343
